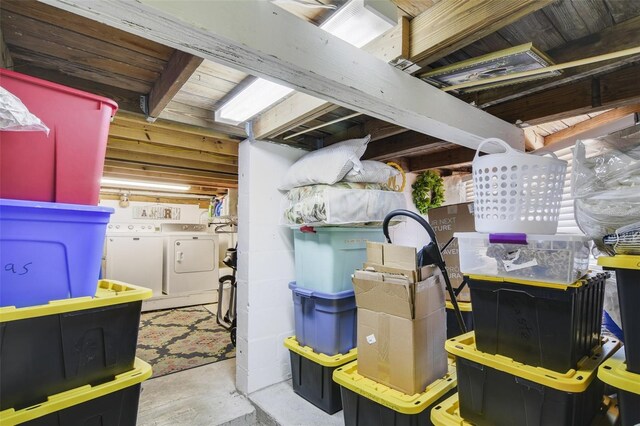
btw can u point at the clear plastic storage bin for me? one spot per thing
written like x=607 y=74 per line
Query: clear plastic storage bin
x=560 y=259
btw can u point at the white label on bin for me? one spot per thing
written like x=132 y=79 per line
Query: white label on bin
x=371 y=339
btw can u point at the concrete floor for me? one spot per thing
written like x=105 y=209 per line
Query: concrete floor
x=202 y=396
x=207 y=396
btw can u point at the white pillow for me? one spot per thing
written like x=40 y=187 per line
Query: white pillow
x=371 y=172
x=327 y=165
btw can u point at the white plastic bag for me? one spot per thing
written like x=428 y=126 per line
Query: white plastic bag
x=15 y=116
x=605 y=184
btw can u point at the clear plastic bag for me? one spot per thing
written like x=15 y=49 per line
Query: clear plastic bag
x=605 y=184
x=15 y=116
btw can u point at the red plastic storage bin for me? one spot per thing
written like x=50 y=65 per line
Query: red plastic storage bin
x=66 y=165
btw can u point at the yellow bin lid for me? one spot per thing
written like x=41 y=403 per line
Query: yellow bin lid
x=574 y=381
x=464 y=306
x=109 y=293
x=141 y=372
x=614 y=372
x=348 y=377
x=324 y=360
x=510 y=280
x=620 y=261
x=447 y=413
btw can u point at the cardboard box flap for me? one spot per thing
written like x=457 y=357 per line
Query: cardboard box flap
x=392 y=255
x=391 y=294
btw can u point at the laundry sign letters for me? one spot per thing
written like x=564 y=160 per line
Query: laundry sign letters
x=156 y=212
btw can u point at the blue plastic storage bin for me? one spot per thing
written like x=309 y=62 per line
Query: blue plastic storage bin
x=326 y=322
x=327 y=256
x=49 y=251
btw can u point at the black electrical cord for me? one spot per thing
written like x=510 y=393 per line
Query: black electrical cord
x=429 y=255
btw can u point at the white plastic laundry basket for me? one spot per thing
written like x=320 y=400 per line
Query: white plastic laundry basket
x=517 y=192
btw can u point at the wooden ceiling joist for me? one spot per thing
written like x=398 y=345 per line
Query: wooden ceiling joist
x=439 y=30
x=179 y=68
x=445 y=158
x=311 y=61
x=618 y=37
x=222 y=163
x=593 y=123
x=378 y=129
x=610 y=90
x=167 y=160
x=163 y=178
x=401 y=145
x=202 y=202
x=122 y=130
x=171 y=171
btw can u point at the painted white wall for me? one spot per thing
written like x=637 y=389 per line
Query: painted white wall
x=265 y=267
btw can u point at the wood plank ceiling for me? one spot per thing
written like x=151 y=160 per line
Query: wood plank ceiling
x=186 y=145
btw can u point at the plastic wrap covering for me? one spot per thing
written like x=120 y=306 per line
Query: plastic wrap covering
x=606 y=186
x=14 y=115
x=340 y=204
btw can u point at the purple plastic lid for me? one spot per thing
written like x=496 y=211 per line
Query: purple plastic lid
x=508 y=238
x=300 y=291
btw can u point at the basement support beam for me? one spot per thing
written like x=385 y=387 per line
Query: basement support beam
x=440 y=30
x=592 y=123
x=288 y=51
x=611 y=90
x=179 y=68
x=441 y=159
x=618 y=37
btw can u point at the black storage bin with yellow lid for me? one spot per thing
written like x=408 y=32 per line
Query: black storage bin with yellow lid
x=369 y=403
x=113 y=403
x=497 y=391
x=628 y=280
x=614 y=372
x=540 y=324
x=311 y=375
x=52 y=348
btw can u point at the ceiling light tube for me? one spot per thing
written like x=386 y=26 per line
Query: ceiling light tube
x=142 y=184
x=357 y=22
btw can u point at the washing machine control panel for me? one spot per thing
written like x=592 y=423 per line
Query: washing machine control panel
x=131 y=227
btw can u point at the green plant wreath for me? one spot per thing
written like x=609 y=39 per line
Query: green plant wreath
x=428 y=191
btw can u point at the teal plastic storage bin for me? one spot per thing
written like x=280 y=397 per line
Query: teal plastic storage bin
x=49 y=251
x=327 y=256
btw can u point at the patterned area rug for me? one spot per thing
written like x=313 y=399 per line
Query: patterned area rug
x=179 y=339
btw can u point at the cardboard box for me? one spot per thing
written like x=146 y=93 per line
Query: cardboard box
x=401 y=320
x=445 y=221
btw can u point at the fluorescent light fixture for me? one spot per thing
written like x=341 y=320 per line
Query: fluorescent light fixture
x=360 y=21
x=357 y=22
x=142 y=184
x=257 y=96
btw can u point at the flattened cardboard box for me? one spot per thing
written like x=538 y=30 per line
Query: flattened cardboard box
x=445 y=221
x=402 y=353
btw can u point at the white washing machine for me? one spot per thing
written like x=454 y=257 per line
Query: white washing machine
x=190 y=258
x=134 y=255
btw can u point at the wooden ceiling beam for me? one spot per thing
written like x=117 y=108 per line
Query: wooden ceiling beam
x=139 y=119
x=167 y=160
x=611 y=90
x=592 y=123
x=287 y=50
x=163 y=177
x=445 y=158
x=448 y=26
x=179 y=68
x=441 y=29
x=227 y=164
x=401 y=145
x=170 y=171
x=378 y=129
x=147 y=133
x=618 y=37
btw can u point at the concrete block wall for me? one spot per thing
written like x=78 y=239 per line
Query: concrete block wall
x=265 y=267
